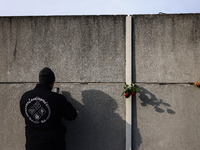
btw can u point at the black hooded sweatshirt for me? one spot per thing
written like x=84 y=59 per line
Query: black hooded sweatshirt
x=43 y=111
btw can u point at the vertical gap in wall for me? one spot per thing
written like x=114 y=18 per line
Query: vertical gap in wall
x=134 y=108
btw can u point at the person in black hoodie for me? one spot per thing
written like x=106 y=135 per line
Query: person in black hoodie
x=43 y=111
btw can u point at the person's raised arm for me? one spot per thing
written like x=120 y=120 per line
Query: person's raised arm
x=67 y=110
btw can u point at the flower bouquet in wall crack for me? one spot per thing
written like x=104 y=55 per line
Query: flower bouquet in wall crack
x=130 y=90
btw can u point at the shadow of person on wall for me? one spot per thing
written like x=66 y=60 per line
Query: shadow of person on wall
x=97 y=127
x=148 y=98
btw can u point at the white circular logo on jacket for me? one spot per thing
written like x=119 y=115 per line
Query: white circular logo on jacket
x=37 y=110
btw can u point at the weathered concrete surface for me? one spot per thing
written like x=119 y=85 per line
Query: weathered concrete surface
x=77 y=48
x=100 y=124
x=11 y=123
x=167 y=48
x=91 y=49
x=168 y=117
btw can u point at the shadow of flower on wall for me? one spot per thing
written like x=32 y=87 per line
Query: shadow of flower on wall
x=149 y=98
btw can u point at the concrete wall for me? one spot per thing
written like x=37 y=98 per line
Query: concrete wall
x=79 y=49
x=166 y=61
x=87 y=54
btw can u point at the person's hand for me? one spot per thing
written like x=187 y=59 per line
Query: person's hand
x=57 y=90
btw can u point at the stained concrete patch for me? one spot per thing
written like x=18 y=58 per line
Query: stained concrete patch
x=77 y=48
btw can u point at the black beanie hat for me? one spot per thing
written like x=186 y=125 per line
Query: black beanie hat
x=46 y=76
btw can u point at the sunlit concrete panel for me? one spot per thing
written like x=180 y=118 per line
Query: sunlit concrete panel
x=167 y=48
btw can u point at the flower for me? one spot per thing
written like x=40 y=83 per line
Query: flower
x=133 y=93
x=129 y=90
x=197 y=83
x=127 y=95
